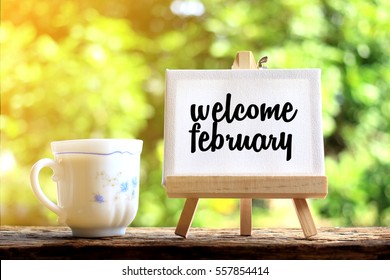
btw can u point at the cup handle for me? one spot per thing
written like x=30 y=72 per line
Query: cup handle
x=36 y=187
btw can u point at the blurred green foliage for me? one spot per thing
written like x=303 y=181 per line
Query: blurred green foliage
x=91 y=69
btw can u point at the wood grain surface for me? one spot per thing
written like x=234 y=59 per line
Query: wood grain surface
x=162 y=243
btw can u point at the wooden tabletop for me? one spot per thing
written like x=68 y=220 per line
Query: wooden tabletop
x=162 y=243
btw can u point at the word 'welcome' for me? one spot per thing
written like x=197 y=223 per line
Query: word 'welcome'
x=203 y=141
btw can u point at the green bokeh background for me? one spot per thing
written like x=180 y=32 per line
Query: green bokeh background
x=93 y=69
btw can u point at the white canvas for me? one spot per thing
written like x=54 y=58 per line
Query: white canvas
x=296 y=146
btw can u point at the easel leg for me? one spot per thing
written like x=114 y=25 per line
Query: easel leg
x=186 y=217
x=308 y=227
x=246 y=216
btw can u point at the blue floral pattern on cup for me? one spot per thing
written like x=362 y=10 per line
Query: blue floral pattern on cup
x=126 y=189
x=124 y=186
x=99 y=198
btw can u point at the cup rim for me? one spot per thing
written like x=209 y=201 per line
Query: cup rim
x=97 y=146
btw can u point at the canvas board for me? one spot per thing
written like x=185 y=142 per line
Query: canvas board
x=264 y=122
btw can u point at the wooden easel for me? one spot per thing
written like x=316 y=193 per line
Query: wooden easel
x=246 y=187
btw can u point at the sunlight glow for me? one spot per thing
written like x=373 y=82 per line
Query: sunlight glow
x=7 y=162
x=187 y=8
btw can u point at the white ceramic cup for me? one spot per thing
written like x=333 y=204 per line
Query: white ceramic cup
x=97 y=184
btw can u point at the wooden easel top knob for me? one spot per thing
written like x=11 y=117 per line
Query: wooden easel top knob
x=244 y=60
